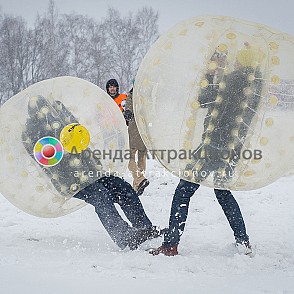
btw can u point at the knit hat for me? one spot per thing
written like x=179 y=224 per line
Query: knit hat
x=114 y=83
x=249 y=56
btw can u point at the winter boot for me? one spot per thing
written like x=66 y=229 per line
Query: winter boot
x=142 y=235
x=166 y=250
x=244 y=247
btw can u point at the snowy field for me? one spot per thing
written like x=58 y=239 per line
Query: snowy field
x=74 y=254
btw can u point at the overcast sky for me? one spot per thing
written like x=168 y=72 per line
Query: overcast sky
x=277 y=14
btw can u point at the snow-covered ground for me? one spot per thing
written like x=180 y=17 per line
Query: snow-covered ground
x=74 y=254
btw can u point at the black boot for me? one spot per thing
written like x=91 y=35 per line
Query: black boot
x=142 y=235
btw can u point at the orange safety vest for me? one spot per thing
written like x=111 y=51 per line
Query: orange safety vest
x=119 y=99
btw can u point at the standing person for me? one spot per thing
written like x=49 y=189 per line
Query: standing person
x=230 y=102
x=230 y=111
x=179 y=213
x=112 y=88
x=138 y=147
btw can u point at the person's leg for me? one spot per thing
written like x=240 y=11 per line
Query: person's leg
x=179 y=212
x=201 y=164
x=177 y=220
x=134 y=169
x=128 y=200
x=233 y=213
x=102 y=199
x=142 y=156
x=143 y=182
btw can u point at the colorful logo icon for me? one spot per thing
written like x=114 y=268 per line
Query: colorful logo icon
x=48 y=151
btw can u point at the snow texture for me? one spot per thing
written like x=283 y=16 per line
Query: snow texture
x=73 y=254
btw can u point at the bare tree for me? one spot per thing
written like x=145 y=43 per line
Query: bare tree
x=75 y=30
x=98 y=55
x=76 y=45
x=14 y=57
x=147 y=24
x=51 y=45
x=128 y=43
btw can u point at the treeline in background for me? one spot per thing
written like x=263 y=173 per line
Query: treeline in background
x=75 y=45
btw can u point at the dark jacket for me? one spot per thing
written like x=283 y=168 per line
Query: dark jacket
x=227 y=106
x=43 y=114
